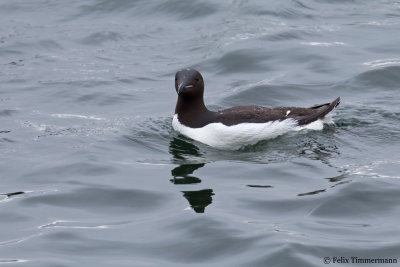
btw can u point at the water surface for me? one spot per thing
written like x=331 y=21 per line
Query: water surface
x=92 y=173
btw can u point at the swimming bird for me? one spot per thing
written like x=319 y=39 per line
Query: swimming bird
x=235 y=127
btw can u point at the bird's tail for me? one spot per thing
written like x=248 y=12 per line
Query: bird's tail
x=320 y=112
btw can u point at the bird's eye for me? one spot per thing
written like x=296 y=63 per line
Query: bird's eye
x=176 y=79
x=197 y=79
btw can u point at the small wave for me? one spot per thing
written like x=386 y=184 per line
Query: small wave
x=187 y=10
x=285 y=35
x=8 y=261
x=101 y=37
x=8 y=112
x=18 y=240
x=97 y=199
x=301 y=11
x=106 y=7
x=231 y=62
x=83 y=125
x=387 y=77
x=376 y=169
x=79 y=225
x=69 y=116
x=181 y=9
x=150 y=135
x=246 y=86
x=382 y=62
x=323 y=43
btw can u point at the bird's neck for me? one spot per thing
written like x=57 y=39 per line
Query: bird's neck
x=192 y=112
x=188 y=105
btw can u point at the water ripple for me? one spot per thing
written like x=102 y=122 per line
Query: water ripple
x=92 y=172
x=97 y=200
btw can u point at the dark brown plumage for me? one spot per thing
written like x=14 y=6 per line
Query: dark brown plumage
x=192 y=112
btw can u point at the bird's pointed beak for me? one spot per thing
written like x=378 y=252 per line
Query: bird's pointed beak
x=182 y=87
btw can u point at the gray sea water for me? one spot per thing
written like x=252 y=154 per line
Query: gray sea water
x=92 y=174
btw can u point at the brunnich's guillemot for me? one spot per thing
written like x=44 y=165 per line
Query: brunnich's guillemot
x=235 y=127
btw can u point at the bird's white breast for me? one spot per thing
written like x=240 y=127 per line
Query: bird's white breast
x=233 y=137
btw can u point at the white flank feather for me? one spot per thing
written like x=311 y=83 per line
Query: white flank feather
x=233 y=137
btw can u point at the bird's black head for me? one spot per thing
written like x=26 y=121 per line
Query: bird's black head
x=189 y=83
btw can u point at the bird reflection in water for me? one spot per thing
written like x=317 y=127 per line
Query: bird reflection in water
x=199 y=200
x=182 y=152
